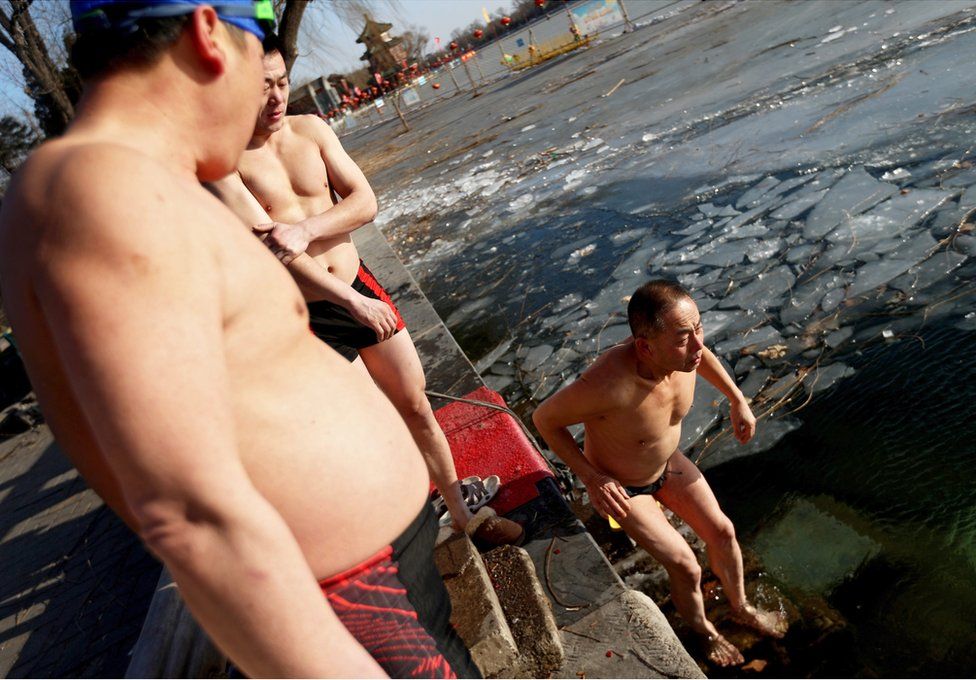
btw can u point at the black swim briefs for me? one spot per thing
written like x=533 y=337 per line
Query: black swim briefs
x=653 y=487
x=334 y=325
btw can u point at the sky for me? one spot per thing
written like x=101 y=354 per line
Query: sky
x=342 y=52
x=332 y=48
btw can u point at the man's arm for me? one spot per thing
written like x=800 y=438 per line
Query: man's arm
x=576 y=403
x=358 y=206
x=314 y=280
x=110 y=274
x=743 y=421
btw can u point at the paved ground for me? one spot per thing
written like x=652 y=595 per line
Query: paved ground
x=76 y=583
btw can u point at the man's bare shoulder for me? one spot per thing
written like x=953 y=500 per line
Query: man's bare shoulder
x=611 y=373
x=80 y=192
x=311 y=126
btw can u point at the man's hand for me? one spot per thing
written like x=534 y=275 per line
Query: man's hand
x=607 y=496
x=374 y=313
x=286 y=241
x=743 y=422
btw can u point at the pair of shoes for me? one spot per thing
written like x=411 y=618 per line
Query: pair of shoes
x=475 y=491
x=487 y=530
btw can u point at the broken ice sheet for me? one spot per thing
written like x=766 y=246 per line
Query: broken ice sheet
x=754 y=382
x=802 y=253
x=726 y=254
x=751 y=198
x=761 y=229
x=766 y=290
x=764 y=249
x=703 y=415
x=890 y=218
x=826 y=377
x=804 y=298
x=876 y=274
x=838 y=337
x=854 y=193
x=614 y=335
x=798 y=205
x=711 y=210
x=761 y=337
x=536 y=357
x=693 y=228
x=637 y=262
x=831 y=299
x=580 y=253
x=768 y=433
x=716 y=321
x=625 y=236
x=928 y=272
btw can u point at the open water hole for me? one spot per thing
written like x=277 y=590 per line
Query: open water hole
x=871 y=505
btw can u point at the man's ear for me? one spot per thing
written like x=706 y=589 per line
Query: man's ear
x=642 y=346
x=208 y=38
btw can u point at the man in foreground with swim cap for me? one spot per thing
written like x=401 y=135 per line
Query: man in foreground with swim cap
x=286 y=188
x=631 y=401
x=170 y=353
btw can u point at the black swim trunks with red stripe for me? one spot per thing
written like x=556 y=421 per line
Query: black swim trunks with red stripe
x=395 y=604
x=334 y=325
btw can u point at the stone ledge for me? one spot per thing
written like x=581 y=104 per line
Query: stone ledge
x=476 y=612
x=643 y=644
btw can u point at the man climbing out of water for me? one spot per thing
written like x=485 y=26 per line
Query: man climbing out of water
x=285 y=188
x=631 y=402
x=171 y=355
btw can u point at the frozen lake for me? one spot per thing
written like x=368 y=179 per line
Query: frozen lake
x=807 y=170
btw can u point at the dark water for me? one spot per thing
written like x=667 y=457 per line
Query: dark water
x=872 y=505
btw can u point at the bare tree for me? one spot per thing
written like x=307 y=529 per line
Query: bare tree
x=415 y=38
x=48 y=80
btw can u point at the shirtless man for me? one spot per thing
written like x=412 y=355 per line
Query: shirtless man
x=285 y=188
x=171 y=355
x=631 y=402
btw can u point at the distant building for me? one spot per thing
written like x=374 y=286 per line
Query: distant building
x=316 y=96
x=385 y=55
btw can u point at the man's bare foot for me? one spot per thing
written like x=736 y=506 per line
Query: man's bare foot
x=720 y=651
x=764 y=622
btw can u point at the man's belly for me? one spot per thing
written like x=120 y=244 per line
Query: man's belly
x=330 y=453
x=338 y=256
x=629 y=462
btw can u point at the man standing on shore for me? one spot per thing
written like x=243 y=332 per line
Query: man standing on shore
x=285 y=188
x=631 y=402
x=170 y=353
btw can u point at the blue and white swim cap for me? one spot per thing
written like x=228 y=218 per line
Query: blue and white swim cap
x=253 y=16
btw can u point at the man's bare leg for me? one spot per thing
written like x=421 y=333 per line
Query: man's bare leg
x=688 y=494
x=395 y=367
x=647 y=525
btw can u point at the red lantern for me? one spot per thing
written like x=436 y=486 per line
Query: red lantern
x=477 y=33
x=454 y=45
x=540 y=3
x=505 y=21
x=436 y=86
